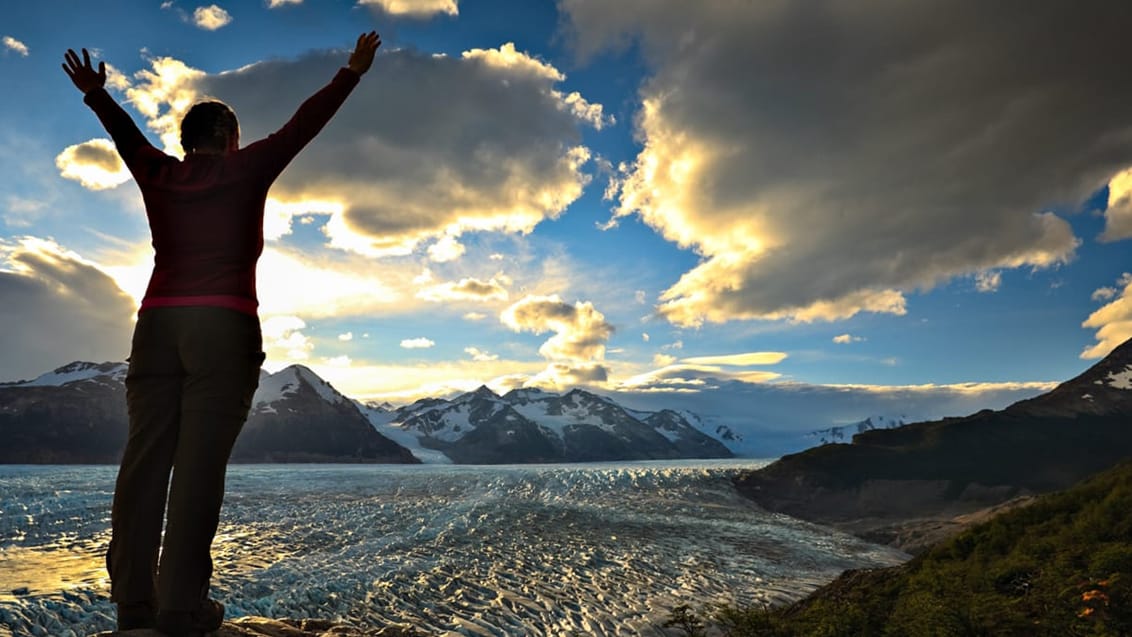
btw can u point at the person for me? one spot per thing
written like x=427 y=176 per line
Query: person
x=197 y=347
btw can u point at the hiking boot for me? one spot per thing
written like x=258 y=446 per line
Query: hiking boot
x=197 y=623
x=133 y=615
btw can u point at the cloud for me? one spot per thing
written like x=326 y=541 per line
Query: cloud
x=413 y=8
x=1118 y=214
x=21 y=212
x=426 y=148
x=348 y=336
x=479 y=355
x=12 y=44
x=1113 y=321
x=447 y=248
x=95 y=164
x=417 y=343
x=283 y=338
x=686 y=377
x=827 y=159
x=275 y=4
x=211 y=18
x=845 y=339
x=474 y=316
x=559 y=376
x=465 y=290
x=988 y=281
x=580 y=331
x=742 y=360
x=57 y=307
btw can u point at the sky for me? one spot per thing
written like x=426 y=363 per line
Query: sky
x=750 y=207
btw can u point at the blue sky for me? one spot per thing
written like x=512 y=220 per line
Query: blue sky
x=605 y=194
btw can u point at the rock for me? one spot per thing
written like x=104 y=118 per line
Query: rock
x=263 y=627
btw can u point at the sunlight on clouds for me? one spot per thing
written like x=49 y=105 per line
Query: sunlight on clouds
x=507 y=57
x=275 y=4
x=278 y=216
x=57 y=307
x=1118 y=215
x=580 y=331
x=989 y=281
x=115 y=79
x=327 y=288
x=750 y=358
x=417 y=343
x=282 y=338
x=683 y=377
x=466 y=290
x=577 y=349
x=339 y=361
x=12 y=44
x=475 y=316
x=164 y=94
x=447 y=248
x=211 y=18
x=445 y=154
x=348 y=336
x=1113 y=321
x=414 y=8
x=845 y=339
x=479 y=355
x=95 y=164
x=756 y=158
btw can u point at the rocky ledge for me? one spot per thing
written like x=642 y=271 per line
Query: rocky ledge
x=263 y=627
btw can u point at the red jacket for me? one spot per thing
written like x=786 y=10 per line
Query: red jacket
x=206 y=211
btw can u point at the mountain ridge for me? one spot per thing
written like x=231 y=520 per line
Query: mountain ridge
x=937 y=470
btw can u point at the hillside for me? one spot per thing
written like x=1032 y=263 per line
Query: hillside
x=1061 y=566
x=946 y=468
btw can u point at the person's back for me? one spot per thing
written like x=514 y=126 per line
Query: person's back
x=197 y=346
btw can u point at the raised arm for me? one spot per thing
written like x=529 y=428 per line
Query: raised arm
x=273 y=153
x=129 y=140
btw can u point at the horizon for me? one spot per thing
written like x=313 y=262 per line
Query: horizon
x=663 y=202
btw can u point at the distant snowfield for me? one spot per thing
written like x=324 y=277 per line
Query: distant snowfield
x=535 y=550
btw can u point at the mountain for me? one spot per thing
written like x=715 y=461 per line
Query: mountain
x=297 y=416
x=840 y=433
x=77 y=414
x=531 y=426
x=949 y=467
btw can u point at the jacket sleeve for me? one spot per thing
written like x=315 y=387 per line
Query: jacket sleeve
x=133 y=147
x=272 y=154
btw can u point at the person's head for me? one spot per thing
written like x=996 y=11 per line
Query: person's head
x=210 y=127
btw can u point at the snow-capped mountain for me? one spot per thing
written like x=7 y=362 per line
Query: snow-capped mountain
x=531 y=425
x=79 y=371
x=845 y=433
x=77 y=414
x=73 y=414
x=296 y=416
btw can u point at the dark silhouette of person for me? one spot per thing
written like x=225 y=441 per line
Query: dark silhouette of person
x=197 y=347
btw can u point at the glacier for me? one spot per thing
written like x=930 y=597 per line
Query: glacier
x=599 y=549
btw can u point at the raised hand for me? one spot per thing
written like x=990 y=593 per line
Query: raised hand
x=362 y=57
x=84 y=76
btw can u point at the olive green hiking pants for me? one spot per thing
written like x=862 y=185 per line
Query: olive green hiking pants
x=192 y=374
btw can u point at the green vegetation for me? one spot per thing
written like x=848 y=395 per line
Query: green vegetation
x=1059 y=567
